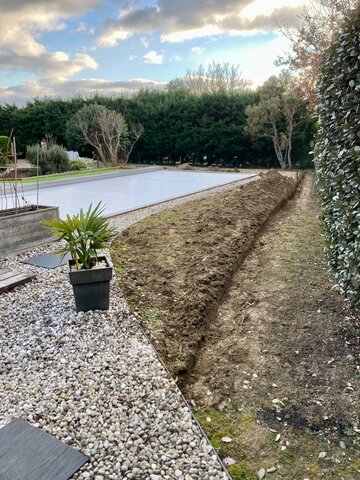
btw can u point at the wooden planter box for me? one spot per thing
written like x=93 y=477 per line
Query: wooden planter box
x=23 y=230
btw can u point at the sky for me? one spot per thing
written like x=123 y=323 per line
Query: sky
x=61 y=48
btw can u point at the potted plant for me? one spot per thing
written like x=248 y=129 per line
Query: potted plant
x=83 y=235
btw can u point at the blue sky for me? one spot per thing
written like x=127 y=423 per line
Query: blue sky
x=67 y=47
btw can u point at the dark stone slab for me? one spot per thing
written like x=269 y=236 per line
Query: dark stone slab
x=48 y=260
x=28 y=453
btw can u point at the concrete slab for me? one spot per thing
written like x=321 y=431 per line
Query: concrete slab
x=48 y=260
x=124 y=193
x=28 y=453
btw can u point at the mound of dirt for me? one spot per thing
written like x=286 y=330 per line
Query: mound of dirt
x=174 y=266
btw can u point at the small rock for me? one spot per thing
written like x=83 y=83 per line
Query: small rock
x=226 y=439
x=261 y=474
x=271 y=470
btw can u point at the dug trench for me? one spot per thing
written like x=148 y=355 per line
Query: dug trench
x=235 y=296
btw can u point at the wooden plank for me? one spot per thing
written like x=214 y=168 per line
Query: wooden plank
x=6 y=273
x=15 y=280
x=29 y=453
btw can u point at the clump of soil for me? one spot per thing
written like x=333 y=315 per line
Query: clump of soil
x=174 y=266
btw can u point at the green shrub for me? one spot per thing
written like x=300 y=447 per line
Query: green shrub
x=52 y=160
x=77 y=165
x=5 y=151
x=83 y=234
x=338 y=155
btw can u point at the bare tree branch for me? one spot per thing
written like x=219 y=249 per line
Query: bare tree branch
x=216 y=77
x=310 y=37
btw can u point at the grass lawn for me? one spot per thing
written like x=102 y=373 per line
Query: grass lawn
x=66 y=176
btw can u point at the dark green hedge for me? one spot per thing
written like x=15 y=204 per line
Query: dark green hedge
x=338 y=155
x=179 y=127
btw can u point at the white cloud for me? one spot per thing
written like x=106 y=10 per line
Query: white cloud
x=111 y=37
x=22 y=22
x=57 y=66
x=22 y=93
x=21 y=25
x=154 y=58
x=179 y=21
x=145 y=42
x=198 y=50
x=83 y=27
x=133 y=57
x=183 y=35
x=264 y=7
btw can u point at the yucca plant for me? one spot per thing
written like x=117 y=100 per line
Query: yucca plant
x=84 y=234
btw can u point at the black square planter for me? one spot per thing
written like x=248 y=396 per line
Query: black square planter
x=91 y=287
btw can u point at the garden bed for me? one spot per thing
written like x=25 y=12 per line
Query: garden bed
x=244 y=314
x=24 y=229
x=13 y=211
x=175 y=266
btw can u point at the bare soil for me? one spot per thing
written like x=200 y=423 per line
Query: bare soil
x=235 y=295
x=13 y=211
x=175 y=266
x=279 y=369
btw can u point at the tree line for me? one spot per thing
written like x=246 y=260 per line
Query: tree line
x=176 y=126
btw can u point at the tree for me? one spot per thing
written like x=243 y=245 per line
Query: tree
x=102 y=129
x=276 y=115
x=338 y=156
x=215 y=77
x=5 y=151
x=315 y=31
x=135 y=132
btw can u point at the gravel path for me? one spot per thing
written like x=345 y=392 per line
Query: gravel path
x=94 y=381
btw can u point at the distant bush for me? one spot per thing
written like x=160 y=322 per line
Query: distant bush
x=338 y=156
x=5 y=152
x=77 y=165
x=52 y=160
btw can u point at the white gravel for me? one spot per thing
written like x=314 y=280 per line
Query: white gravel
x=93 y=380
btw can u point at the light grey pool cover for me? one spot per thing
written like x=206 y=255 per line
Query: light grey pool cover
x=123 y=193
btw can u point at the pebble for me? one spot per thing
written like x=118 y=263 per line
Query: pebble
x=93 y=380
